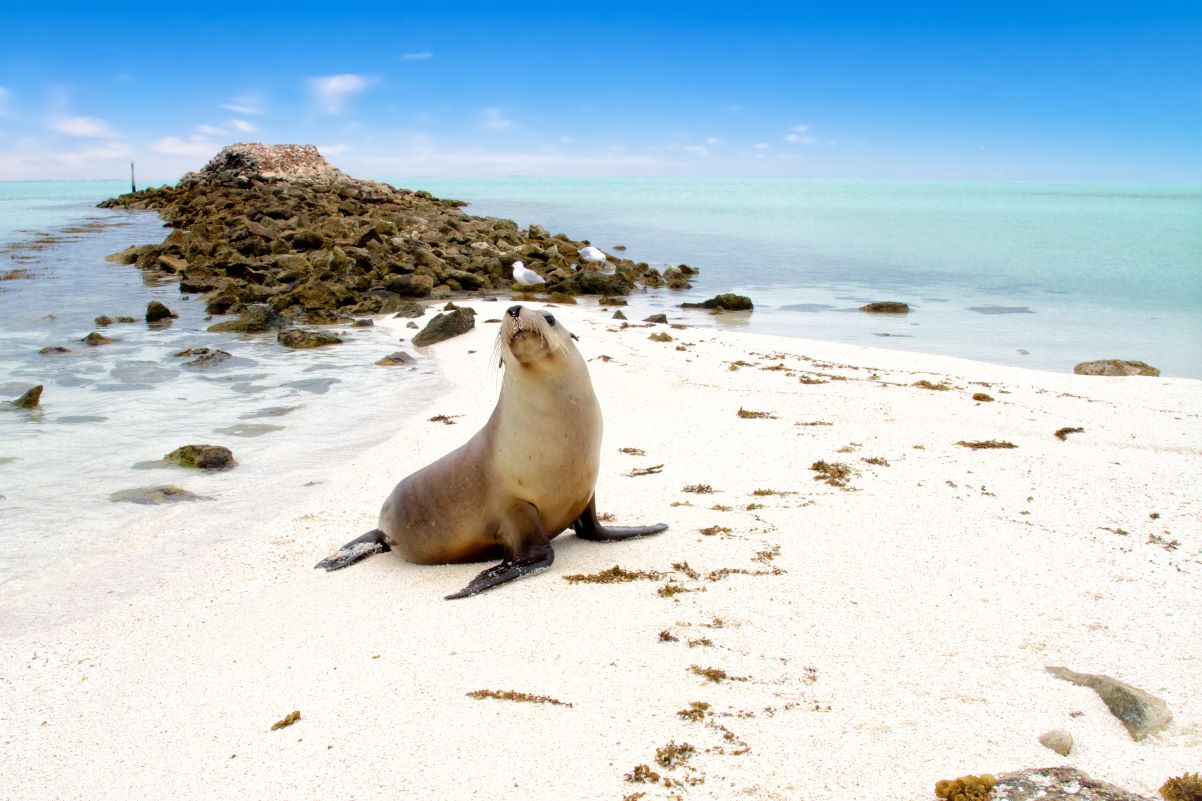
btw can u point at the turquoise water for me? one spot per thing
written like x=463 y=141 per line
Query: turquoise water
x=1036 y=275
x=32 y=206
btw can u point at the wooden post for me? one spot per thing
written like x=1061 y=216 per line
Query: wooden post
x=133 y=187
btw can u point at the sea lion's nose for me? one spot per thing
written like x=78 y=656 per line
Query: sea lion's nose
x=514 y=311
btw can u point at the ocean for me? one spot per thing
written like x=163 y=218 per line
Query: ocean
x=1033 y=275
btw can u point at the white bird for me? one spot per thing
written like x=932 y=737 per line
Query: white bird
x=526 y=276
x=593 y=255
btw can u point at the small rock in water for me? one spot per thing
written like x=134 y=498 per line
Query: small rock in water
x=300 y=339
x=254 y=319
x=126 y=319
x=203 y=357
x=54 y=350
x=1114 y=367
x=411 y=324
x=103 y=320
x=96 y=338
x=205 y=457
x=30 y=399
x=1141 y=712
x=156 y=312
x=656 y=318
x=886 y=307
x=392 y=359
x=446 y=325
x=409 y=308
x=165 y=493
x=618 y=315
x=1058 y=740
x=363 y=323
x=724 y=302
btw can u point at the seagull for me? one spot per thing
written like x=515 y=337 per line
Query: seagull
x=525 y=276
x=594 y=256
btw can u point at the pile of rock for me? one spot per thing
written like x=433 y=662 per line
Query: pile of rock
x=277 y=225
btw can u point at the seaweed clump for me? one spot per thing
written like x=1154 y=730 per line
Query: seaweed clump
x=966 y=788
x=697 y=711
x=510 y=695
x=924 y=384
x=287 y=720
x=1062 y=434
x=716 y=675
x=747 y=414
x=700 y=489
x=833 y=473
x=662 y=336
x=982 y=397
x=672 y=756
x=987 y=444
x=1186 y=787
x=613 y=575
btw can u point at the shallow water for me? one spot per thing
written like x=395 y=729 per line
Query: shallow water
x=1030 y=275
x=110 y=413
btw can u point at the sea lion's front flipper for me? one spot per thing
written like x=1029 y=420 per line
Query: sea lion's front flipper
x=356 y=550
x=588 y=527
x=527 y=550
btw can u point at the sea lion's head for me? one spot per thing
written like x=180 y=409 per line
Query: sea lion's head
x=531 y=338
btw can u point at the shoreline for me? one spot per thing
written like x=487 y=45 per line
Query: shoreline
x=924 y=601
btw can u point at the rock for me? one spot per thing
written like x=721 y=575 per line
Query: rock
x=1141 y=712
x=408 y=308
x=300 y=339
x=54 y=350
x=254 y=319
x=1115 y=367
x=102 y=321
x=618 y=315
x=656 y=318
x=724 y=302
x=1058 y=740
x=674 y=279
x=157 y=312
x=164 y=493
x=205 y=457
x=417 y=286
x=96 y=338
x=411 y=324
x=203 y=357
x=127 y=256
x=1056 y=784
x=886 y=307
x=30 y=399
x=126 y=319
x=363 y=323
x=392 y=359
x=444 y=326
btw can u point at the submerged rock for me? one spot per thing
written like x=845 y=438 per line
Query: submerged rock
x=724 y=302
x=1115 y=367
x=157 y=312
x=102 y=321
x=392 y=359
x=886 y=307
x=301 y=339
x=446 y=325
x=205 y=457
x=95 y=338
x=31 y=399
x=618 y=315
x=656 y=318
x=1140 y=712
x=54 y=350
x=203 y=357
x=407 y=308
x=163 y=493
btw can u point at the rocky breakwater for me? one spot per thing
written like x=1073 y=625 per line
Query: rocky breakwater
x=277 y=225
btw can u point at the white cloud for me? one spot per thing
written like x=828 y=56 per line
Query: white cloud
x=4 y=96
x=333 y=150
x=713 y=140
x=565 y=140
x=423 y=56
x=331 y=91
x=761 y=146
x=92 y=153
x=241 y=125
x=697 y=150
x=797 y=136
x=495 y=120
x=210 y=130
x=800 y=129
x=89 y=127
x=193 y=146
x=244 y=104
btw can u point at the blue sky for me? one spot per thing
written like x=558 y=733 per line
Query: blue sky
x=1011 y=91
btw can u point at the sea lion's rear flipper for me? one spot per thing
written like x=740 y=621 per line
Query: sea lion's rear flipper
x=588 y=527
x=527 y=550
x=356 y=550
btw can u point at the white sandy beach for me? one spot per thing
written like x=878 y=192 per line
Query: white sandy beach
x=903 y=641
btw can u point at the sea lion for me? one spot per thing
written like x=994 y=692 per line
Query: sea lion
x=526 y=476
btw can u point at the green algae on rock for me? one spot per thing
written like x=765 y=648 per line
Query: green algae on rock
x=204 y=457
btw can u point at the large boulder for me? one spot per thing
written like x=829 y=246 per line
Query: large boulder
x=724 y=302
x=1115 y=367
x=157 y=312
x=446 y=325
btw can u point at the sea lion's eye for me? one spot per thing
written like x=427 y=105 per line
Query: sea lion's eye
x=550 y=319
